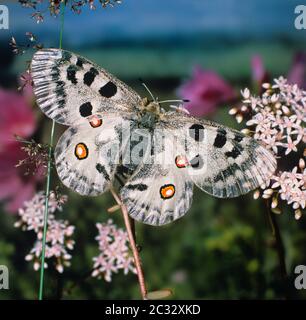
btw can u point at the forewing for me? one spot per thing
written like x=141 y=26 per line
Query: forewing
x=70 y=88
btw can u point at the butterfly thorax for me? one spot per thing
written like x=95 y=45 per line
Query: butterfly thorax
x=150 y=113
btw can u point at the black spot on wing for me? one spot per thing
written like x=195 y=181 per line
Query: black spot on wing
x=90 y=75
x=86 y=109
x=234 y=153
x=238 y=137
x=108 y=90
x=223 y=175
x=196 y=131
x=139 y=186
x=55 y=73
x=118 y=178
x=80 y=62
x=124 y=171
x=197 y=162
x=73 y=131
x=66 y=56
x=101 y=169
x=220 y=139
x=61 y=94
x=71 y=74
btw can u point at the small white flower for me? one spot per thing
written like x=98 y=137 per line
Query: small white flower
x=245 y=93
x=114 y=252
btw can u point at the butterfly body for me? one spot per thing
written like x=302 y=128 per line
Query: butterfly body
x=155 y=157
x=150 y=112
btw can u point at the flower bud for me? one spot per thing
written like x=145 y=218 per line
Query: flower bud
x=233 y=111
x=274 y=203
x=266 y=85
x=256 y=194
x=239 y=118
x=297 y=214
x=246 y=131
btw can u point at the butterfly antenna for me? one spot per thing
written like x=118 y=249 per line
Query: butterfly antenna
x=145 y=86
x=167 y=101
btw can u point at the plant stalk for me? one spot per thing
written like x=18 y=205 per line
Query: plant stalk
x=133 y=245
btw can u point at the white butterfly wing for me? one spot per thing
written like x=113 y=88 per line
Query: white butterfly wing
x=70 y=88
x=158 y=193
x=74 y=91
x=223 y=162
x=87 y=157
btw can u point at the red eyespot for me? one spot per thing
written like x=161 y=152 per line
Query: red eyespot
x=81 y=151
x=95 y=122
x=181 y=161
x=167 y=191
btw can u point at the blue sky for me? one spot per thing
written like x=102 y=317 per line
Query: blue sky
x=159 y=19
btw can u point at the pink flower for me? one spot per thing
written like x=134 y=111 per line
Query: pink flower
x=297 y=72
x=205 y=90
x=16 y=117
x=259 y=73
x=15 y=188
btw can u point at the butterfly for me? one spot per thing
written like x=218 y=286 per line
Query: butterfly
x=154 y=157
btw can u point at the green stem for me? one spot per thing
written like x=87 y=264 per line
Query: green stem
x=279 y=247
x=43 y=252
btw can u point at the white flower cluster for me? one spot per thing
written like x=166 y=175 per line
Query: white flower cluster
x=277 y=118
x=59 y=232
x=114 y=252
x=279 y=115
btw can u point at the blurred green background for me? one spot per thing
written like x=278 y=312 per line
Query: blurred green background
x=222 y=249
